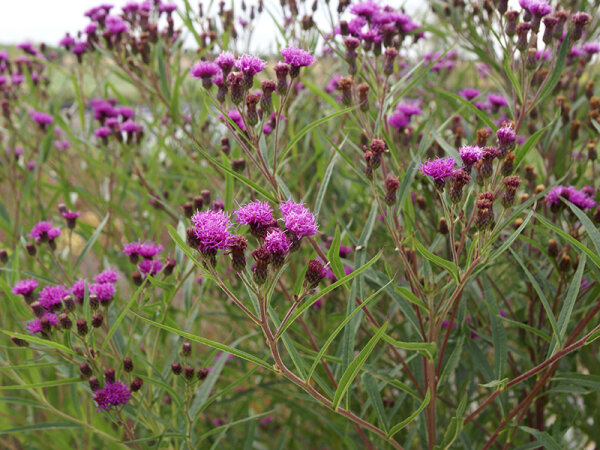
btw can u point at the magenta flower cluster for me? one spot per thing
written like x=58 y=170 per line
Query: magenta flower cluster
x=44 y=231
x=582 y=198
x=212 y=230
x=298 y=220
x=112 y=394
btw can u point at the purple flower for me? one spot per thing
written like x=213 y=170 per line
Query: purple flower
x=255 y=213
x=90 y=28
x=470 y=154
x=204 y=69
x=149 y=250
x=506 y=135
x=51 y=296
x=113 y=394
x=409 y=109
x=43 y=231
x=62 y=144
x=115 y=25
x=298 y=219
x=538 y=8
x=70 y=215
x=125 y=112
x=497 y=100
x=235 y=117
x=150 y=266
x=277 y=242
x=365 y=9
x=225 y=61
x=102 y=133
x=469 y=93
x=35 y=326
x=107 y=276
x=297 y=57
x=41 y=119
x=212 y=230
x=132 y=248
x=131 y=127
x=399 y=120
x=579 y=198
x=167 y=8
x=67 y=41
x=439 y=169
x=333 y=83
x=25 y=287
x=591 y=48
x=104 y=291
x=78 y=289
x=250 y=65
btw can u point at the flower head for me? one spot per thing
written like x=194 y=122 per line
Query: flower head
x=25 y=287
x=204 y=69
x=439 y=169
x=43 y=231
x=399 y=120
x=255 y=213
x=212 y=230
x=506 y=135
x=149 y=250
x=107 y=276
x=298 y=219
x=35 y=326
x=78 y=289
x=297 y=57
x=51 y=296
x=469 y=93
x=225 y=61
x=277 y=242
x=579 y=198
x=470 y=154
x=497 y=100
x=115 y=25
x=104 y=291
x=41 y=119
x=113 y=394
x=150 y=266
x=250 y=65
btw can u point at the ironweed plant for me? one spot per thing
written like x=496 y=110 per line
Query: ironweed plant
x=381 y=232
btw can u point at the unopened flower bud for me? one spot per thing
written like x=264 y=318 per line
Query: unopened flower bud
x=82 y=327
x=186 y=349
x=109 y=375
x=136 y=384
x=202 y=374
x=314 y=274
x=65 y=321
x=94 y=384
x=127 y=364
x=188 y=372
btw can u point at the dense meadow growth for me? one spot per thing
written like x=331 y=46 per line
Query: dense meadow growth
x=377 y=230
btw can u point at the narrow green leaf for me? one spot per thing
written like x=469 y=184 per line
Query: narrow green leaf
x=37 y=340
x=44 y=384
x=412 y=417
x=590 y=254
x=590 y=228
x=541 y=295
x=129 y=304
x=324 y=184
x=482 y=115
x=428 y=349
x=209 y=343
x=333 y=255
x=355 y=366
x=90 y=242
x=40 y=427
x=309 y=302
x=543 y=438
x=375 y=397
x=310 y=126
x=522 y=151
x=408 y=295
x=340 y=327
x=448 y=266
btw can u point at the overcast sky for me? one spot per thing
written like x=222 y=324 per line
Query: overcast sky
x=48 y=20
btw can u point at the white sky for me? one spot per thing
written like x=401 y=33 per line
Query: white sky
x=48 y=20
